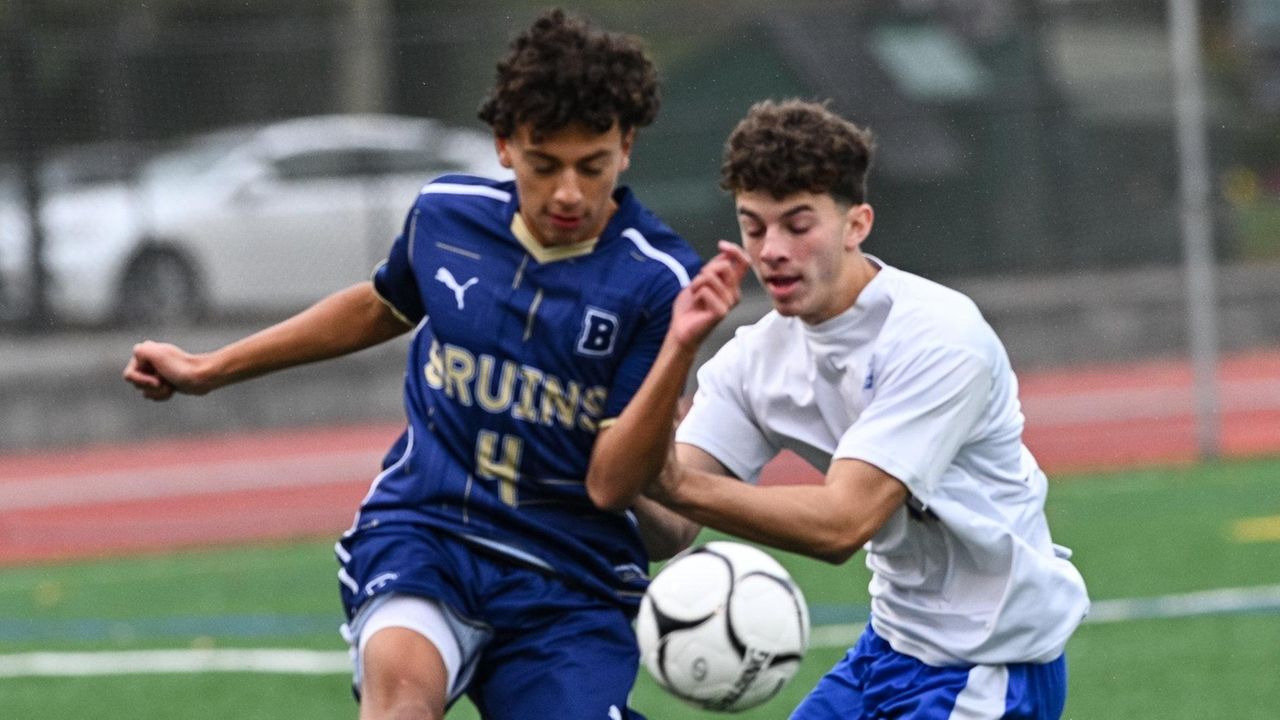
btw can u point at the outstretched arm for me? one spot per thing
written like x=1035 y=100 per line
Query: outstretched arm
x=633 y=450
x=342 y=323
x=829 y=522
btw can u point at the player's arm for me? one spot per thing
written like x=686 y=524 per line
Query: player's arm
x=830 y=522
x=664 y=531
x=632 y=453
x=342 y=323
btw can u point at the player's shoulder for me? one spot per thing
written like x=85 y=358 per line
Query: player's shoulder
x=659 y=250
x=926 y=311
x=465 y=192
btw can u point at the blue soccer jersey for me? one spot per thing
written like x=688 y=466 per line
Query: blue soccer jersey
x=521 y=354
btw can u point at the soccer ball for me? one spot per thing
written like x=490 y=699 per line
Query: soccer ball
x=723 y=627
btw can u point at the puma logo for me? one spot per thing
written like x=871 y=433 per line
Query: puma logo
x=446 y=277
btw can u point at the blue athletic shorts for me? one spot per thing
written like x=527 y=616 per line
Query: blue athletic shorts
x=874 y=682
x=534 y=647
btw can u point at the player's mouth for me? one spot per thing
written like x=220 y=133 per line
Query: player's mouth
x=782 y=287
x=565 y=222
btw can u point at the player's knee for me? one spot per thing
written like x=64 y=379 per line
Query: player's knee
x=403 y=678
x=399 y=698
x=408 y=710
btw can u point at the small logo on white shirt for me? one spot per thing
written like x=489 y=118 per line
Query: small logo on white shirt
x=446 y=277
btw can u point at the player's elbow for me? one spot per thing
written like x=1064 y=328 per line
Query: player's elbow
x=837 y=556
x=607 y=496
x=836 y=547
x=675 y=541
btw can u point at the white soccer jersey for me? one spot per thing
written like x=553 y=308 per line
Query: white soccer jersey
x=912 y=380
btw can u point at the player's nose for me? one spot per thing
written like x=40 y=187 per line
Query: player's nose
x=774 y=246
x=568 y=190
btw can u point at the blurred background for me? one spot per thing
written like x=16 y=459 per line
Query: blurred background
x=190 y=169
x=1101 y=176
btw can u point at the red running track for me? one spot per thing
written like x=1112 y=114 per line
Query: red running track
x=162 y=495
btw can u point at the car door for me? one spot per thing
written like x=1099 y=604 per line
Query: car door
x=294 y=232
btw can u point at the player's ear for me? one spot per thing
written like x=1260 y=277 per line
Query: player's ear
x=628 y=139
x=503 y=146
x=858 y=221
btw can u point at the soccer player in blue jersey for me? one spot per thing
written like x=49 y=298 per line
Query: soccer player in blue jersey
x=503 y=549
x=903 y=394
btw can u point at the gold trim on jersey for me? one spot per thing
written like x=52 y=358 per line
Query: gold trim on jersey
x=533 y=312
x=515 y=282
x=394 y=310
x=544 y=254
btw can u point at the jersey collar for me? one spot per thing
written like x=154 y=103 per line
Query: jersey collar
x=621 y=219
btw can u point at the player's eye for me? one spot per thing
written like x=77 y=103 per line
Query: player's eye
x=591 y=170
x=544 y=169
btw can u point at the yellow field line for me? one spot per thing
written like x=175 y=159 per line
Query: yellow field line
x=1257 y=529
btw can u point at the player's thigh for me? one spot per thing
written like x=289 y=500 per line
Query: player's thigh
x=1037 y=691
x=402 y=671
x=401 y=558
x=873 y=681
x=581 y=664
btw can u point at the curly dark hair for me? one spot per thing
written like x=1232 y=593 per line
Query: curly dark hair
x=561 y=71
x=795 y=146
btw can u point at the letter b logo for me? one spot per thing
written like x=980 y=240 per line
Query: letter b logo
x=599 y=330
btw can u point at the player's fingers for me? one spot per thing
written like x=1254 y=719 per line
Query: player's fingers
x=736 y=256
x=163 y=392
x=712 y=292
x=723 y=280
x=140 y=374
x=714 y=302
x=729 y=268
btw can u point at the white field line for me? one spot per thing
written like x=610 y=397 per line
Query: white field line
x=319 y=662
x=89 y=487
x=55 y=664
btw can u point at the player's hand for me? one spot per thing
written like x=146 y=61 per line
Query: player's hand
x=710 y=296
x=160 y=370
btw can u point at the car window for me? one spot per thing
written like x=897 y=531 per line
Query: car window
x=360 y=162
x=410 y=162
x=321 y=164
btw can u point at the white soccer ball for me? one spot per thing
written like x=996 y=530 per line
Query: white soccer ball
x=723 y=627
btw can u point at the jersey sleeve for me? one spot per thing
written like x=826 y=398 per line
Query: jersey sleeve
x=721 y=422
x=394 y=279
x=924 y=409
x=644 y=345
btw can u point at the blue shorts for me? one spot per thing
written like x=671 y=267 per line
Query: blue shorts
x=874 y=681
x=534 y=647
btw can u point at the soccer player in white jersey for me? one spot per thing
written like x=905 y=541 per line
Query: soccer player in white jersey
x=899 y=389
x=504 y=547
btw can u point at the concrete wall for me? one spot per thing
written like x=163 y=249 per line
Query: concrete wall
x=64 y=390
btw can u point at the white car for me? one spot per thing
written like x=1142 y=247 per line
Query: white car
x=261 y=219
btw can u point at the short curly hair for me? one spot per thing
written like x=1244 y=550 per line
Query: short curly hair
x=795 y=146
x=561 y=71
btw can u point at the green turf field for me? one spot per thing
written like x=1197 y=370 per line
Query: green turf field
x=1136 y=535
